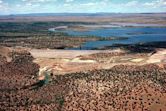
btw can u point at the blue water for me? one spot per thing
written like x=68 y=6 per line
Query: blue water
x=135 y=35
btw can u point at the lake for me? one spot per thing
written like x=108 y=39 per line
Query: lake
x=134 y=34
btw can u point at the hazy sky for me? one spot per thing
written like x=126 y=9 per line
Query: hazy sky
x=81 y=6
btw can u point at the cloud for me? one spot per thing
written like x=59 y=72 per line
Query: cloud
x=1 y=1
x=132 y=3
x=69 y=1
x=66 y=5
x=31 y=4
x=84 y=6
x=4 y=8
x=155 y=4
x=89 y=4
x=37 y=1
x=133 y=6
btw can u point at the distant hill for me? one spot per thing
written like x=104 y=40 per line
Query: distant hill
x=144 y=18
x=81 y=14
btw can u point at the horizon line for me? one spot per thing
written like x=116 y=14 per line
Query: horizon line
x=82 y=13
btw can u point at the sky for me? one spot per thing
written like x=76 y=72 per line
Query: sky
x=81 y=6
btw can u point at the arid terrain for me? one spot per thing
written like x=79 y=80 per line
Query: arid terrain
x=84 y=60
x=98 y=80
x=117 y=77
x=148 y=18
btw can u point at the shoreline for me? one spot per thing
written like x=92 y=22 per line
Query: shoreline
x=82 y=28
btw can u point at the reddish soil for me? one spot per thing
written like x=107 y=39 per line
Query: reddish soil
x=122 y=87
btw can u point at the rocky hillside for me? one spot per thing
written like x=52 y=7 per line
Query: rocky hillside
x=121 y=88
